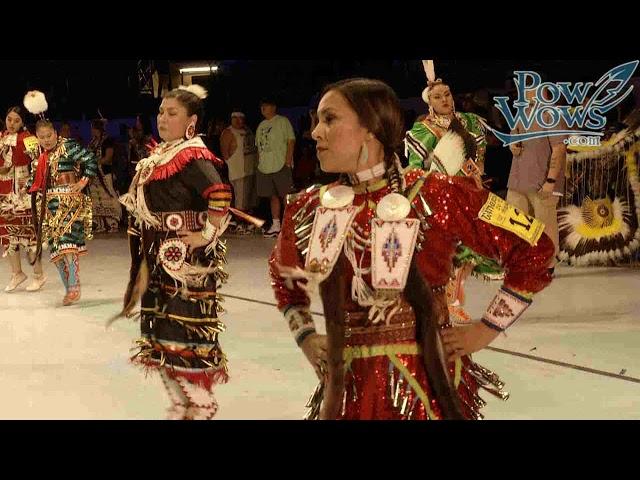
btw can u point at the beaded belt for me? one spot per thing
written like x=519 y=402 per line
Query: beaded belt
x=187 y=220
x=403 y=329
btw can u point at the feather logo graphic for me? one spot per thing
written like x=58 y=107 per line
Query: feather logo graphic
x=581 y=106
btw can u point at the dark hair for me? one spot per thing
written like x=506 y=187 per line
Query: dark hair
x=190 y=101
x=20 y=111
x=378 y=110
x=269 y=100
x=98 y=125
x=45 y=123
x=145 y=122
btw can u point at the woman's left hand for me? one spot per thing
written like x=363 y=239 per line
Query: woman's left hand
x=460 y=341
x=193 y=240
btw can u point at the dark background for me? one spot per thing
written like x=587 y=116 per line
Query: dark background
x=76 y=89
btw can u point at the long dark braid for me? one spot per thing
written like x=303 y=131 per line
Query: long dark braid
x=425 y=307
x=420 y=296
x=379 y=111
x=393 y=174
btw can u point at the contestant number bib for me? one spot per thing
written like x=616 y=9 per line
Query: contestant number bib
x=499 y=213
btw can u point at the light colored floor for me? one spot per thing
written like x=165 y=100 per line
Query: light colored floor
x=60 y=363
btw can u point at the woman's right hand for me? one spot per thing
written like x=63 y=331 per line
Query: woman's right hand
x=315 y=349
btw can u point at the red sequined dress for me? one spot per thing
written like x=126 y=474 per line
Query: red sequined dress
x=384 y=373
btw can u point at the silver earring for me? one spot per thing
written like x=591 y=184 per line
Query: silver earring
x=364 y=155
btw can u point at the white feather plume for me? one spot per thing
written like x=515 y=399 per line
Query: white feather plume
x=35 y=102
x=429 y=69
x=450 y=152
x=197 y=90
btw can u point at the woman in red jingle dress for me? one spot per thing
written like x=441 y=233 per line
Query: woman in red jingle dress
x=380 y=244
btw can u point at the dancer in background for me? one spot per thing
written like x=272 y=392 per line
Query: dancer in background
x=64 y=212
x=429 y=145
x=18 y=148
x=107 y=211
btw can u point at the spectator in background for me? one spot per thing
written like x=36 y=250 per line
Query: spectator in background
x=467 y=103
x=68 y=131
x=140 y=137
x=65 y=130
x=275 y=141
x=536 y=180
x=214 y=129
x=409 y=118
x=121 y=174
x=107 y=211
x=237 y=145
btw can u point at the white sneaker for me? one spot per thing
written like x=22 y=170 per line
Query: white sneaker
x=36 y=283
x=273 y=231
x=16 y=281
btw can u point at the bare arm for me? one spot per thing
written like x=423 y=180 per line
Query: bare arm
x=558 y=158
x=289 y=159
x=108 y=157
x=227 y=145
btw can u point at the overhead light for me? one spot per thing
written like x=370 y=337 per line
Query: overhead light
x=199 y=69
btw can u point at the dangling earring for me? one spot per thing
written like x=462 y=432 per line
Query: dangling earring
x=364 y=155
x=431 y=112
x=191 y=131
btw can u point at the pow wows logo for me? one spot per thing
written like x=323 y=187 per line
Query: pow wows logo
x=582 y=110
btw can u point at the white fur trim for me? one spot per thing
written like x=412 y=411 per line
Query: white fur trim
x=450 y=152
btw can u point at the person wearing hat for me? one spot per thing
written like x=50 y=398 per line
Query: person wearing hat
x=275 y=141
x=237 y=145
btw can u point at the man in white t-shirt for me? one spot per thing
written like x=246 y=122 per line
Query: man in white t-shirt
x=275 y=141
